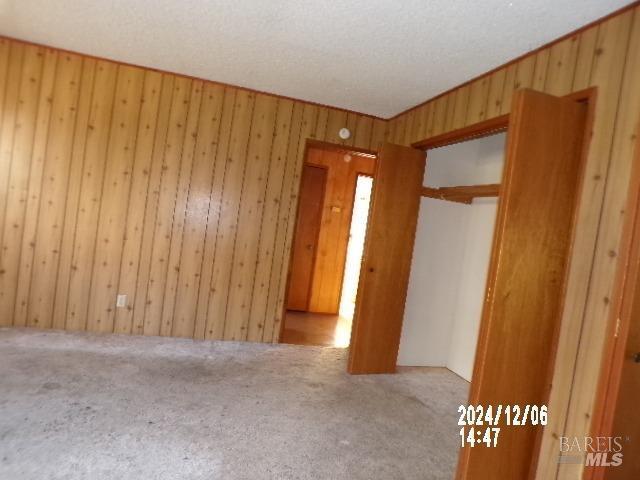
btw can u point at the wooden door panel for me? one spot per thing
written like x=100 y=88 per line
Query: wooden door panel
x=312 y=189
x=386 y=262
x=525 y=288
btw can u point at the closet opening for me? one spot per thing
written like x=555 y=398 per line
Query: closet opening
x=452 y=255
x=328 y=242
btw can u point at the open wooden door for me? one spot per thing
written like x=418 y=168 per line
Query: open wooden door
x=312 y=187
x=386 y=261
x=525 y=285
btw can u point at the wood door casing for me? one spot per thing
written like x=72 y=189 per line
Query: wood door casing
x=312 y=190
x=615 y=415
x=626 y=423
x=527 y=275
x=382 y=291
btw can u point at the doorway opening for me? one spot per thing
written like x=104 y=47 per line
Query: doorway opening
x=331 y=224
x=452 y=255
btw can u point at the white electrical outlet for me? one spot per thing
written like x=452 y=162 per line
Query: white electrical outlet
x=121 y=300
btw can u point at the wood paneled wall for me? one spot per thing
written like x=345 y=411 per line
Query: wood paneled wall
x=606 y=56
x=333 y=239
x=177 y=192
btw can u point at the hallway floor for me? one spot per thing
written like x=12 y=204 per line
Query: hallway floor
x=320 y=329
x=77 y=406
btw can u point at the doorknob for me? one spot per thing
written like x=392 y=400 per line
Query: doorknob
x=636 y=357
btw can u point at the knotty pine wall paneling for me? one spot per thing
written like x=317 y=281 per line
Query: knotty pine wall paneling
x=177 y=192
x=606 y=56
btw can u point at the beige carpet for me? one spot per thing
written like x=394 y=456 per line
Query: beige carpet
x=80 y=406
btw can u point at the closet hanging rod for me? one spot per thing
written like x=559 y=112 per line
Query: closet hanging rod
x=463 y=193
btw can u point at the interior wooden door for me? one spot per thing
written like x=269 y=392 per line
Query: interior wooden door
x=386 y=262
x=525 y=286
x=312 y=188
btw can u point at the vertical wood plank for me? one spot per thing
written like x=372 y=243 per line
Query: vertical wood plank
x=75 y=181
x=420 y=125
x=228 y=221
x=112 y=217
x=496 y=91
x=141 y=172
x=251 y=209
x=513 y=81
x=431 y=116
x=478 y=99
x=524 y=72
x=139 y=301
x=213 y=216
x=562 y=65
x=399 y=128
x=54 y=191
x=198 y=207
x=408 y=129
x=462 y=103
x=362 y=135
x=540 y=69
x=452 y=99
x=391 y=130
x=585 y=56
x=18 y=179
x=439 y=115
x=168 y=185
x=321 y=130
x=8 y=130
x=102 y=106
x=180 y=210
x=287 y=116
x=34 y=188
x=379 y=134
x=286 y=219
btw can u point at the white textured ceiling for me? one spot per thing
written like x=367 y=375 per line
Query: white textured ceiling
x=372 y=56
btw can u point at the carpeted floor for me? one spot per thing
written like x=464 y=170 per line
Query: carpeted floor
x=82 y=406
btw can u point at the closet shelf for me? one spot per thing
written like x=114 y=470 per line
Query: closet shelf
x=462 y=194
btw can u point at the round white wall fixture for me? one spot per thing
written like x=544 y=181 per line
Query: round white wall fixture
x=344 y=133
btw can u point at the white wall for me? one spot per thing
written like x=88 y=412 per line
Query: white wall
x=468 y=306
x=450 y=259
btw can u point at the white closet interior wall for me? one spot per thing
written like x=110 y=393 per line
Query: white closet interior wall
x=451 y=259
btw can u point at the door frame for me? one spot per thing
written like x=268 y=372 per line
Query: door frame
x=493 y=126
x=619 y=321
x=331 y=147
